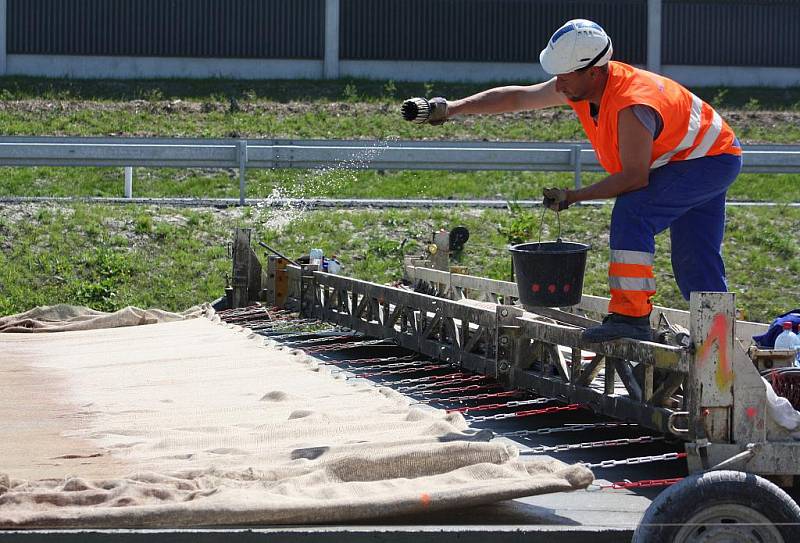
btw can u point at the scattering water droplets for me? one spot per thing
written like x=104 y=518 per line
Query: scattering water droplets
x=286 y=204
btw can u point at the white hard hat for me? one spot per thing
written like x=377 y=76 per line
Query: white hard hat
x=578 y=44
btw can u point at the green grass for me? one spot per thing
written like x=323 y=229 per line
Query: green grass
x=111 y=256
x=108 y=257
x=319 y=122
x=154 y=90
x=342 y=109
x=335 y=183
x=316 y=109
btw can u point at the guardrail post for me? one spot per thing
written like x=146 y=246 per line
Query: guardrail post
x=575 y=158
x=128 y=182
x=242 y=171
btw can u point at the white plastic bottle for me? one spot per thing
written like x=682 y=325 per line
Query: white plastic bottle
x=315 y=257
x=797 y=348
x=786 y=340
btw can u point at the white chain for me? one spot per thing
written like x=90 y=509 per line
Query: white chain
x=633 y=461
x=593 y=444
x=534 y=401
x=396 y=365
x=481 y=418
x=568 y=428
x=316 y=340
x=415 y=388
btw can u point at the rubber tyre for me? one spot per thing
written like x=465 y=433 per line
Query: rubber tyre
x=672 y=509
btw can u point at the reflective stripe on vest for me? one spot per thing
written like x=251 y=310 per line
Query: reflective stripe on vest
x=691 y=127
x=691 y=133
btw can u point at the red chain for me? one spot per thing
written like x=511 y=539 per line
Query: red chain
x=528 y=413
x=646 y=483
x=468 y=388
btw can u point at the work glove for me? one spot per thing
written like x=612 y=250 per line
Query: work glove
x=555 y=198
x=422 y=110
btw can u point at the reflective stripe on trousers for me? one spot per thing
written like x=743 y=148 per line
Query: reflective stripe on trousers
x=631 y=281
x=688 y=197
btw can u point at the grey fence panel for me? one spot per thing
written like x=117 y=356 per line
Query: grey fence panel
x=174 y=28
x=731 y=33
x=694 y=32
x=480 y=30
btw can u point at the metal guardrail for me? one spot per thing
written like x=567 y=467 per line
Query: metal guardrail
x=344 y=154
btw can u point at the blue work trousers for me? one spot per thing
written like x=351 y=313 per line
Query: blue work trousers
x=688 y=197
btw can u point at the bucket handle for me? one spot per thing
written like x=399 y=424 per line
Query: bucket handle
x=541 y=225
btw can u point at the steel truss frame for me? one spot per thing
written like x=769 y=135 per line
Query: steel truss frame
x=708 y=394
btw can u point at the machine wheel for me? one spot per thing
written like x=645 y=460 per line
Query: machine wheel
x=721 y=506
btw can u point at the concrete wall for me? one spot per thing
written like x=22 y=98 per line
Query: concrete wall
x=81 y=67
x=732 y=76
x=143 y=68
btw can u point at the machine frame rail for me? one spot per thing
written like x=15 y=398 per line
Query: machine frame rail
x=708 y=394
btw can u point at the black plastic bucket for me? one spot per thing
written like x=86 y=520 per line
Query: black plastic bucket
x=550 y=273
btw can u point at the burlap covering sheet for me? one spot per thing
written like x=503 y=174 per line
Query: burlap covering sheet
x=194 y=422
x=64 y=318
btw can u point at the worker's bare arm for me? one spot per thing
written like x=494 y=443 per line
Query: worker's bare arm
x=508 y=99
x=635 y=147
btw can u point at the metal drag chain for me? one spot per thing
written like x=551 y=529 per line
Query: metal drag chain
x=493 y=406
x=592 y=444
x=286 y=324
x=370 y=363
x=529 y=413
x=431 y=378
x=647 y=483
x=635 y=460
x=450 y=390
x=397 y=365
x=401 y=371
x=441 y=383
x=568 y=428
x=284 y=337
x=313 y=341
x=345 y=346
x=474 y=397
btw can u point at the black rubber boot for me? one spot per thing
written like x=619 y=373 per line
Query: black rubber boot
x=618 y=326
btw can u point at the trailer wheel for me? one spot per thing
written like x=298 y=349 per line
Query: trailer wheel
x=729 y=506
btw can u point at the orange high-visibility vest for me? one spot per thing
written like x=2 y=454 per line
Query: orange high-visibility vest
x=692 y=129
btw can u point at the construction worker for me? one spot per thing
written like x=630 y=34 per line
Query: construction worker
x=670 y=159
